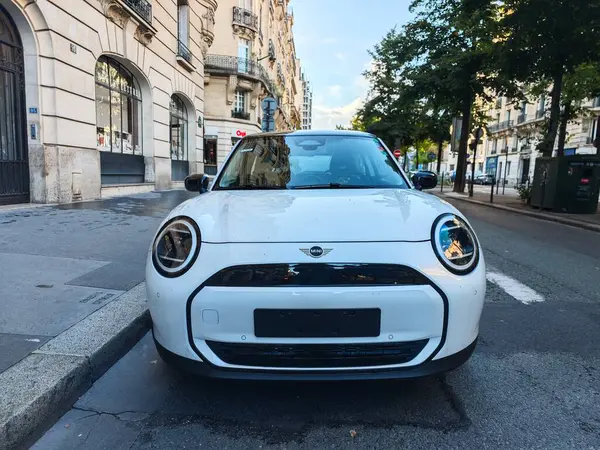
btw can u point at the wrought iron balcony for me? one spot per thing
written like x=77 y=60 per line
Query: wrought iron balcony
x=142 y=8
x=245 y=18
x=223 y=64
x=522 y=118
x=185 y=53
x=501 y=126
x=240 y=115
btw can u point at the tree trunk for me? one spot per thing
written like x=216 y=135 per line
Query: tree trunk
x=439 y=156
x=417 y=159
x=547 y=145
x=562 y=135
x=461 y=164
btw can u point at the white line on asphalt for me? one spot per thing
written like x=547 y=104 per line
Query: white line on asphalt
x=515 y=288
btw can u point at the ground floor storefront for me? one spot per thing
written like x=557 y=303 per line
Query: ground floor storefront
x=220 y=136
x=93 y=105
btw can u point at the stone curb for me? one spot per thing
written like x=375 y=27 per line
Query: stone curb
x=38 y=390
x=541 y=216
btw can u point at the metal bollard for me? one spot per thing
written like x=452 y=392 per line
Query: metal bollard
x=492 y=193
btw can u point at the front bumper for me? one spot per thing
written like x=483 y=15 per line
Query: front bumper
x=431 y=368
x=445 y=311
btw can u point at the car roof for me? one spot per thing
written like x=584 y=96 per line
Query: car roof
x=313 y=133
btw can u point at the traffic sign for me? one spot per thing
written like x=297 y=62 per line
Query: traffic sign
x=269 y=105
x=397 y=153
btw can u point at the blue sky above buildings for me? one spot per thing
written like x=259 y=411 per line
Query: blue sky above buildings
x=332 y=39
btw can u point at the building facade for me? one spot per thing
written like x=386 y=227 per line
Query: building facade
x=516 y=130
x=253 y=57
x=307 y=100
x=102 y=96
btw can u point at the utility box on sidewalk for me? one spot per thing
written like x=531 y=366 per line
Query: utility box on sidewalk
x=568 y=184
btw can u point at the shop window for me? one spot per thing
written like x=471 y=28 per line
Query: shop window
x=118 y=109
x=179 y=139
x=210 y=155
x=118 y=123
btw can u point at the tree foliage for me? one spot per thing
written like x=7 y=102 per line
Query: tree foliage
x=553 y=43
x=455 y=56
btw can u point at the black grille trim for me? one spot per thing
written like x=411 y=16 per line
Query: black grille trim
x=317 y=355
x=296 y=275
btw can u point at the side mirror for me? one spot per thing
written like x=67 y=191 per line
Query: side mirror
x=424 y=180
x=197 y=183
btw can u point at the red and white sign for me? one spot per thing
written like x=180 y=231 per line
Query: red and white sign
x=238 y=133
x=397 y=153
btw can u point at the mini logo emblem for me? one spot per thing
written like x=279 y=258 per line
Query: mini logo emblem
x=316 y=251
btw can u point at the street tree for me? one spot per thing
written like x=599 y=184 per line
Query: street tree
x=548 y=42
x=438 y=65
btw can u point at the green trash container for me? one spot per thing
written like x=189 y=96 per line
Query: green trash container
x=569 y=184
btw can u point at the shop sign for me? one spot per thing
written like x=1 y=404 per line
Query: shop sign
x=238 y=133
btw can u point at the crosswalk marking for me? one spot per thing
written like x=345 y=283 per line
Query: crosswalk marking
x=514 y=288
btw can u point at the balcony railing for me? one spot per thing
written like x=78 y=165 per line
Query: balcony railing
x=239 y=66
x=540 y=114
x=240 y=115
x=501 y=126
x=142 y=8
x=245 y=18
x=522 y=118
x=184 y=52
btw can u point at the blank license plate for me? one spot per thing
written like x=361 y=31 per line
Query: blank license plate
x=317 y=323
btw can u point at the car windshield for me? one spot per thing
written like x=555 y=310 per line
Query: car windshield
x=310 y=162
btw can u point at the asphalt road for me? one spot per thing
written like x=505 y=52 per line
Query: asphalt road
x=533 y=382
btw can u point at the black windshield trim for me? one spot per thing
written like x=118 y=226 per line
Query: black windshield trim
x=215 y=185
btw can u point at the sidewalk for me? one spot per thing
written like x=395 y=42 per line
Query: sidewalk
x=73 y=300
x=511 y=202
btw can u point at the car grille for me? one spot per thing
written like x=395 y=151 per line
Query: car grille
x=317 y=355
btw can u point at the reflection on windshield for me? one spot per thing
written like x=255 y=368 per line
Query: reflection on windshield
x=310 y=162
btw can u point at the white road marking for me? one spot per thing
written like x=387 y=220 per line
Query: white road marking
x=32 y=340
x=515 y=288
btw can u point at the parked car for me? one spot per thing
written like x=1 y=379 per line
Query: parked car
x=484 y=179
x=339 y=271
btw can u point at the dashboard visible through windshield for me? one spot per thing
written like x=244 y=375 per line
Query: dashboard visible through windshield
x=310 y=162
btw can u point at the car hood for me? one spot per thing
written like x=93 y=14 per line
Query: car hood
x=314 y=216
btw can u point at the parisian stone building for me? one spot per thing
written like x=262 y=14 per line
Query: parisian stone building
x=101 y=97
x=253 y=57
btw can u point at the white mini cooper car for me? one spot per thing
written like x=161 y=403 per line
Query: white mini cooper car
x=313 y=257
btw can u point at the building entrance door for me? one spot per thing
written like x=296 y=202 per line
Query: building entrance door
x=14 y=161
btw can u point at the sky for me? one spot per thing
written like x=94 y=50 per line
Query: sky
x=332 y=40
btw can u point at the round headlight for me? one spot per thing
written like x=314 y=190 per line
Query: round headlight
x=176 y=247
x=455 y=244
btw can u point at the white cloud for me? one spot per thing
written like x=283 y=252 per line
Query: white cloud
x=326 y=118
x=340 y=56
x=334 y=91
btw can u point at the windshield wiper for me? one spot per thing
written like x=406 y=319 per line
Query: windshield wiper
x=250 y=188
x=335 y=186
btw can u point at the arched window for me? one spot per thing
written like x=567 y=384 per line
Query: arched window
x=179 y=139
x=118 y=109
